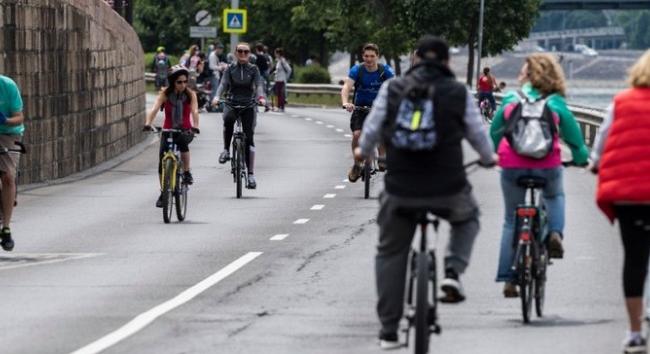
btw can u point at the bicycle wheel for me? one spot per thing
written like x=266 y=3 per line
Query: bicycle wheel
x=525 y=283
x=168 y=191
x=422 y=305
x=540 y=281
x=181 y=199
x=366 y=180
x=238 y=168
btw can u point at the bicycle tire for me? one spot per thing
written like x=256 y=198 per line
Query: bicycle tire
x=366 y=180
x=168 y=194
x=238 y=169
x=422 y=331
x=181 y=201
x=525 y=284
x=540 y=282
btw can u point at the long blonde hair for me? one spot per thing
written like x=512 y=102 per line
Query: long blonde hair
x=546 y=74
x=639 y=73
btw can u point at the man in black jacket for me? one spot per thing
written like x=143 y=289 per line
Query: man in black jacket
x=428 y=177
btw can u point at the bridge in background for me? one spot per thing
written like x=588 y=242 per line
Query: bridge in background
x=594 y=5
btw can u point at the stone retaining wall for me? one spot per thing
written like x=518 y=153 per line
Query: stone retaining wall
x=79 y=68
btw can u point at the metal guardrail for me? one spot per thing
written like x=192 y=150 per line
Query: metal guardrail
x=589 y=118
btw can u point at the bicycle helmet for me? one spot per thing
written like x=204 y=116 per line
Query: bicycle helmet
x=176 y=71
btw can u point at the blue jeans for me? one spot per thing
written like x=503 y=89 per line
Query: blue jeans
x=214 y=84
x=514 y=195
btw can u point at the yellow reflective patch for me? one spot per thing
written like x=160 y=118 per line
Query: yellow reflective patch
x=415 y=121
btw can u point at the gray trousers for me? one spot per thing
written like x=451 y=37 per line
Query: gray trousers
x=396 y=230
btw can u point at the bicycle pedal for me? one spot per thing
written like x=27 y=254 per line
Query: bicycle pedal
x=435 y=329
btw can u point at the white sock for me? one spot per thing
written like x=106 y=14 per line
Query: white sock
x=633 y=335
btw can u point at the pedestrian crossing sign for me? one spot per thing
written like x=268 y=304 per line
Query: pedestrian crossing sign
x=234 y=21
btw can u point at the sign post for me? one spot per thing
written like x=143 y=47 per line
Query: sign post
x=234 y=22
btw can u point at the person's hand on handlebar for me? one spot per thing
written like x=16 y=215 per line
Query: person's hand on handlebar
x=195 y=130
x=490 y=164
x=348 y=106
x=261 y=100
x=147 y=128
x=215 y=102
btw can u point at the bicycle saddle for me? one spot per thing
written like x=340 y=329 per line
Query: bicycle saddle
x=531 y=182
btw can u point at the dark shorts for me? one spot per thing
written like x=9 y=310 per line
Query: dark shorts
x=357 y=119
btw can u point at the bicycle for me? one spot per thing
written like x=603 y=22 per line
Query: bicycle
x=174 y=189
x=420 y=314
x=486 y=110
x=370 y=167
x=238 y=159
x=532 y=259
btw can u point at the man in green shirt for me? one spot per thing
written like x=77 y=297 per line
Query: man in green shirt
x=11 y=130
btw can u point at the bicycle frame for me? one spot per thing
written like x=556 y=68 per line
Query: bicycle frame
x=174 y=154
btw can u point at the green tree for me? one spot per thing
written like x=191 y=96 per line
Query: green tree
x=506 y=22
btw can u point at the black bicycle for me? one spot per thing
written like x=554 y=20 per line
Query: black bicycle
x=370 y=167
x=421 y=312
x=531 y=255
x=532 y=259
x=238 y=160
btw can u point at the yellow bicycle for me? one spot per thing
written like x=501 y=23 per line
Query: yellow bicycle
x=174 y=190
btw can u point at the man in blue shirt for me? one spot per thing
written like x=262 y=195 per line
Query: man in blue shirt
x=366 y=79
x=11 y=130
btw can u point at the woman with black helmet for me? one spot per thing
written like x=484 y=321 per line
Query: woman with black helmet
x=178 y=102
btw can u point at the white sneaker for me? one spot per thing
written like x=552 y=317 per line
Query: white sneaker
x=389 y=341
x=634 y=345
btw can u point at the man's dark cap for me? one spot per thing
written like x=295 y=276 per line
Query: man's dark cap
x=432 y=47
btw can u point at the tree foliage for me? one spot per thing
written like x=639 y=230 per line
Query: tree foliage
x=317 y=28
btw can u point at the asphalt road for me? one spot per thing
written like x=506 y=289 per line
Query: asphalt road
x=94 y=264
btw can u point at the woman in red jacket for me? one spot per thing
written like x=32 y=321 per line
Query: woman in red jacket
x=621 y=156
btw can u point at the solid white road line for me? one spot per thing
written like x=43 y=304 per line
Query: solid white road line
x=279 y=237
x=317 y=207
x=146 y=318
x=329 y=196
x=301 y=221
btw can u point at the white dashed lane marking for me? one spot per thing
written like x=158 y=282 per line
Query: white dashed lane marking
x=340 y=186
x=347 y=135
x=329 y=196
x=308 y=119
x=339 y=130
x=301 y=221
x=317 y=207
x=319 y=122
x=279 y=237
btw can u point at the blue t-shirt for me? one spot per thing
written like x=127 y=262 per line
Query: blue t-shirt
x=10 y=104
x=369 y=86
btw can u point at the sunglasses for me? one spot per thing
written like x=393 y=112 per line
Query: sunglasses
x=181 y=82
x=243 y=51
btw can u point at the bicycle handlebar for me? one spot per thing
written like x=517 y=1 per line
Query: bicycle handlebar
x=478 y=162
x=573 y=164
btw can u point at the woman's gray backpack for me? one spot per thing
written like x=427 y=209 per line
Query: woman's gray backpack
x=531 y=128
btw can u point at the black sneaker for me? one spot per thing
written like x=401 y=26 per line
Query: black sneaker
x=6 y=241
x=555 y=249
x=452 y=288
x=388 y=341
x=224 y=156
x=187 y=177
x=159 y=202
x=636 y=345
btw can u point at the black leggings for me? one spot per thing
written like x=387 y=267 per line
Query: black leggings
x=634 y=221
x=183 y=146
